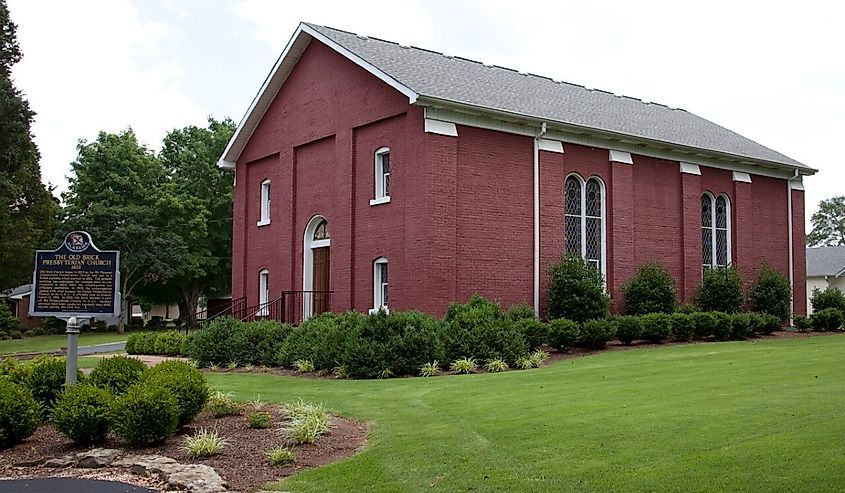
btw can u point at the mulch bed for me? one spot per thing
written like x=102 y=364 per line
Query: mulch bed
x=242 y=463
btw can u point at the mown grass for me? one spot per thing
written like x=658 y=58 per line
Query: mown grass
x=754 y=416
x=57 y=341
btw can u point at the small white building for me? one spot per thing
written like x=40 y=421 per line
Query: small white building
x=825 y=267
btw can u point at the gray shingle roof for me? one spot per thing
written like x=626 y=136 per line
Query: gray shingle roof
x=459 y=80
x=826 y=261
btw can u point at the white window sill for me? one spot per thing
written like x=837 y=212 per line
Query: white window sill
x=373 y=311
x=380 y=200
x=263 y=223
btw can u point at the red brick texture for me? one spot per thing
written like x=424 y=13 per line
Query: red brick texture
x=460 y=216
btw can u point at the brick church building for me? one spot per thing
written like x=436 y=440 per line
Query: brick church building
x=371 y=174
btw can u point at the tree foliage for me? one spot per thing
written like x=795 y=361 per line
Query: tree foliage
x=828 y=223
x=28 y=210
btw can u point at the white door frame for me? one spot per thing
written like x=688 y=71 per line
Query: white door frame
x=309 y=244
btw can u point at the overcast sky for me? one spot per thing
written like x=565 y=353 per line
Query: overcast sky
x=772 y=71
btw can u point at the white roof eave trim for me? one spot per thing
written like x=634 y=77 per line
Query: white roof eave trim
x=276 y=79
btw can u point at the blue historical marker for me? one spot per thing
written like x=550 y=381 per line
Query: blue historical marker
x=73 y=282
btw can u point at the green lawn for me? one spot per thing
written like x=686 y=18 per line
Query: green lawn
x=754 y=416
x=48 y=343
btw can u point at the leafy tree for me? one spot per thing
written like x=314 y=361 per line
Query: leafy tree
x=28 y=210
x=828 y=223
x=190 y=157
x=120 y=194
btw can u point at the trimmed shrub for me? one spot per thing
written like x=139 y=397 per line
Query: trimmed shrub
x=829 y=297
x=802 y=323
x=740 y=325
x=721 y=290
x=764 y=323
x=563 y=333
x=478 y=329
x=651 y=290
x=117 y=373
x=14 y=370
x=723 y=328
x=683 y=327
x=521 y=312
x=629 y=328
x=141 y=343
x=534 y=331
x=703 y=324
x=146 y=414
x=19 y=413
x=258 y=343
x=47 y=381
x=185 y=382
x=169 y=343
x=8 y=323
x=82 y=413
x=322 y=340
x=688 y=308
x=657 y=327
x=576 y=291
x=827 y=319
x=396 y=342
x=771 y=293
x=211 y=344
x=596 y=333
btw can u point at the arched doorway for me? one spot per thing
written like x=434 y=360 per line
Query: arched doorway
x=316 y=267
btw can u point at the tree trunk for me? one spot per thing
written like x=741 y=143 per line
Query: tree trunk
x=190 y=300
x=121 y=323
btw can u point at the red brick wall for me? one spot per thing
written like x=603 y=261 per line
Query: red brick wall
x=460 y=220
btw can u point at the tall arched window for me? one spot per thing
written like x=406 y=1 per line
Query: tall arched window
x=584 y=219
x=715 y=230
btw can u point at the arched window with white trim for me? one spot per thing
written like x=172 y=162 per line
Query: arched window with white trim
x=264 y=211
x=380 y=283
x=263 y=293
x=584 y=227
x=715 y=230
x=382 y=176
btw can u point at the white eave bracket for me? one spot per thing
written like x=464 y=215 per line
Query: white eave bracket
x=222 y=163
x=550 y=145
x=796 y=185
x=621 y=157
x=690 y=169
x=440 y=128
x=741 y=177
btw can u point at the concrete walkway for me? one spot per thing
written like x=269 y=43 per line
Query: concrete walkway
x=69 y=485
x=110 y=347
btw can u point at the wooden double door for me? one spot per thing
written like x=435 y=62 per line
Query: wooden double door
x=320 y=299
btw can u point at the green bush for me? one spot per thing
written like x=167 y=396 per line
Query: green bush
x=802 y=323
x=8 y=322
x=19 y=413
x=534 y=331
x=53 y=325
x=14 y=370
x=829 y=297
x=723 y=328
x=223 y=404
x=147 y=414
x=141 y=343
x=629 y=328
x=683 y=326
x=117 y=373
x=563 y=333
x=258 y=343
x=185 y=382
x=323 y=340
x=398 y=343
x=169 y=343
x=211 y=345
x=479 y=330
x=703 y=324
x=657 y=327
x=521 y=312
x=597 y=333
x=82 y=413
x=764 y=323
x=721 y=290
x=47 y=381
x=688 y=308
x=827 y=319
x=651 y=290
x=741 y=325
x=576 y=291
x=771 y=293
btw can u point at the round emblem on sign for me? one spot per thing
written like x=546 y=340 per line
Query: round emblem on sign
x=77 y=241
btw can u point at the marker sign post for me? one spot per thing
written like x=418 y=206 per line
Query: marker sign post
x=76 y=281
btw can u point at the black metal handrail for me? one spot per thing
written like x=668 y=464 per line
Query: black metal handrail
x=270 y=310
x=296 y=304
x=236 y=309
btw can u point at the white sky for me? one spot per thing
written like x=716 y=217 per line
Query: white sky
x=772 y=71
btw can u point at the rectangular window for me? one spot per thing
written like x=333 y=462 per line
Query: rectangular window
x=382 y=176
x=263 y=293
x=380 y=282
x=264 y=217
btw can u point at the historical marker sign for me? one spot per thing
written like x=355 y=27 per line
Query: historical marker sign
x=75 y=279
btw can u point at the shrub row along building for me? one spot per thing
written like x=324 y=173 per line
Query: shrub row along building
x=372 y=174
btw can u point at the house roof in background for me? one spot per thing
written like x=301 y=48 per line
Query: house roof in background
x=429 y=77
x=17 y=293
x=826 y=261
